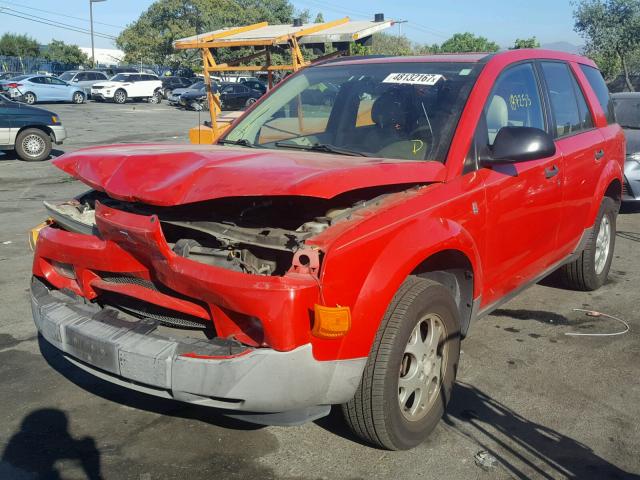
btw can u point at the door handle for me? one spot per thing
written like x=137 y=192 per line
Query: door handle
x=550 y=172
x=599 y=154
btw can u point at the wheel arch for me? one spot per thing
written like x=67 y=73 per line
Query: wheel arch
x=46 y=129
x=453 y=269
x=609 y=185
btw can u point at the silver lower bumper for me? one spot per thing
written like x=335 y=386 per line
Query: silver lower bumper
x=59 y=133
x=631 y=189
x=129 y=352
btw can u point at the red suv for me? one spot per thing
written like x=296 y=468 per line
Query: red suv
x=335 y=253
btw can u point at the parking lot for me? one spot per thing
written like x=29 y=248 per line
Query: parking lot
x=543 y=403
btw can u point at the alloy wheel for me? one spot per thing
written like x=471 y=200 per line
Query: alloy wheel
x=33 y=145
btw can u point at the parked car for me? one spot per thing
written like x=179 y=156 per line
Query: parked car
x=257 y=85
x=174 y=97
x=125 y=86
x=31 y=89
x=195 y=99
x=83 y=78
x=30 y=131
x=627 y=112
x=238 y=78
x=111 y=71
x=335 y=256
x=171 y=83
x=236 y=96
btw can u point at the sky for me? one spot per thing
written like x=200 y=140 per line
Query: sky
x=428 y=21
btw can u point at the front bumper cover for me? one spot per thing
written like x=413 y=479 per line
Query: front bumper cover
x=129 y=352
x=59 y=133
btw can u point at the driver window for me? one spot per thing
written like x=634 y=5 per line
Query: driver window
x=514 y=101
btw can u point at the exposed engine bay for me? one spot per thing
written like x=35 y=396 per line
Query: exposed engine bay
x=256 y=235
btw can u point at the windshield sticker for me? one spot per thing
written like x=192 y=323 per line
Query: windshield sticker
x=413 y=78
x=465 y=71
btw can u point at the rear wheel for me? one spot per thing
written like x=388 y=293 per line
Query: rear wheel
x=411 y=369
x=33 y=145
x=249 y=102
x=78 y=97
x=29 y=98
x=120 y=96
x=156 y=97
x=590 y=270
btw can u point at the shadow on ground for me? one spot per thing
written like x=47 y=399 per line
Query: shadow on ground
x=44 y=439
x=524 y=448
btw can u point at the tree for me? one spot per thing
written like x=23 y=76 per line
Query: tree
x=468 y=42
x=526 y=43
x=150 y=38
x=14 y=45
x=58 y=51
x=611 y=28
x=319 y=18
x=387 y=44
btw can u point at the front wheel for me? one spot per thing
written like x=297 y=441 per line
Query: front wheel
x=590 y=270
x=411 y=368
x=78 y=97
x=249 y=102
x=156 y=97
x=120 y=96
x=33 y=145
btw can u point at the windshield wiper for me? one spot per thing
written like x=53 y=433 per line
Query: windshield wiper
x=242 y=142
x=322 y=147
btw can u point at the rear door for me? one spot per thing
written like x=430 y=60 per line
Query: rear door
x=581 y=145
x=135 y=87
x=523 y=199
x=39 y=86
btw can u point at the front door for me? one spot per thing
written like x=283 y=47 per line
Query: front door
x=5 y=120
x=523 y=199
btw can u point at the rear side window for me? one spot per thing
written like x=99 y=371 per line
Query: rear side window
x=564 y=102
x=594 y=77
x=514 y=101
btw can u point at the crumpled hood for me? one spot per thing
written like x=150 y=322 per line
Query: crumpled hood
x=167 y=175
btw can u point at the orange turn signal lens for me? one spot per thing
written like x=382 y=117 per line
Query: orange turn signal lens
x=331 y=322
x=34 y=232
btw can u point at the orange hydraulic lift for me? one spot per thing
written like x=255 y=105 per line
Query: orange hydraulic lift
x=264 y=38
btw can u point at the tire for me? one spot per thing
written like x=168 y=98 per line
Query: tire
x=590 y=270
x=29 y=98
x=249 y=102
x=33 y=145
x=120 y=96
x=167 y=93
x=156 y=97
x=380 y=413
x=78 y=98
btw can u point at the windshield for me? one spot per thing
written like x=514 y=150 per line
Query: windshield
x=66 y=76
x=627 y=111
x=197 y=85
x=405 y=110
x=121 y=77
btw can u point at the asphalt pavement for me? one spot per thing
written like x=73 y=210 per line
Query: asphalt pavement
x=542 y=403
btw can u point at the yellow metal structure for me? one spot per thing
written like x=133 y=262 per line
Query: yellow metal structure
x=264 y=38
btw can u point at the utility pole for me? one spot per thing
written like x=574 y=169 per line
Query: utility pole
x=93 y=53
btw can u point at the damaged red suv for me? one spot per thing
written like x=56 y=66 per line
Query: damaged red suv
x=335 y=252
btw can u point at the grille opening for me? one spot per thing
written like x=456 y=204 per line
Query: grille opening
x=164 y=316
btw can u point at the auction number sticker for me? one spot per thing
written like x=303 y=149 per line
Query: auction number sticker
x=413 y=78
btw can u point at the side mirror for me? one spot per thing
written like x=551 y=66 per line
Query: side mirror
x=520 y=144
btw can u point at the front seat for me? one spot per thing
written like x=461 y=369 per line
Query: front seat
x=497 y=116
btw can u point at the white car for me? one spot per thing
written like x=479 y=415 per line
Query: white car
x=128 y=85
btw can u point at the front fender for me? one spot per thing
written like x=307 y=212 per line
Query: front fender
x=366 y=274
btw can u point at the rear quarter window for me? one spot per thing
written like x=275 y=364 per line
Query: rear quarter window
x=594 y=77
